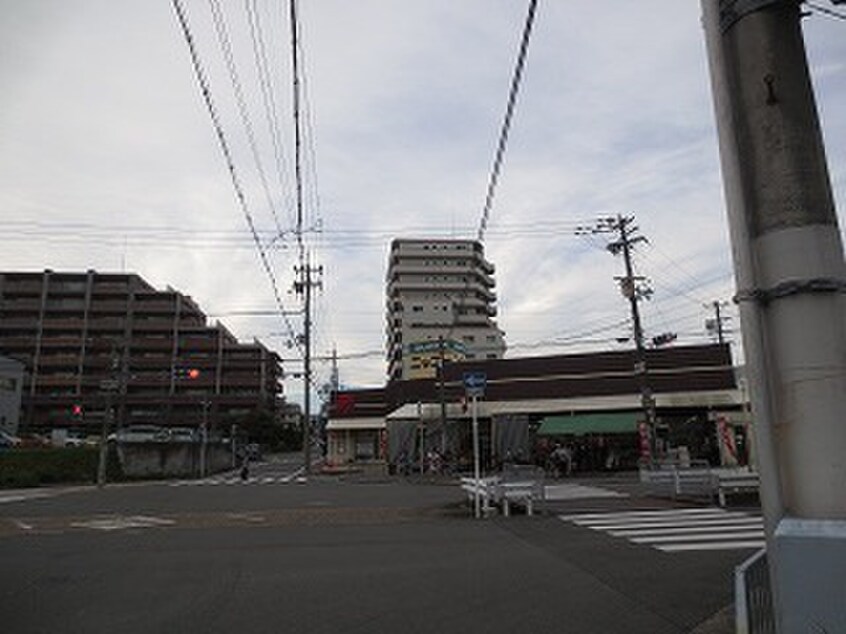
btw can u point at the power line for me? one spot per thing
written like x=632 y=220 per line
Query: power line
x=506 y=124
x=268 y=95
x=225 y=44
x=826 y=11
x=227 y=155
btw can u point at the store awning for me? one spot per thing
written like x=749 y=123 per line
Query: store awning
x=579 y=424
x=338 y=424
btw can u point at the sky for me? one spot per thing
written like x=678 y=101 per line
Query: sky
x=109 y=159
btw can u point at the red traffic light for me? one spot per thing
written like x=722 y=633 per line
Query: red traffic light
x=193 y=373
x=76 y=409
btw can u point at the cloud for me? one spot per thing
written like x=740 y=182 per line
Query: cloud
x=101 y=122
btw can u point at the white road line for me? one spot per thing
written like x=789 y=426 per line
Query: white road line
x=645 y=513
x=677 y=548
x=714 y=521
x=684 y=530
x=678 y=530
x=666 y=539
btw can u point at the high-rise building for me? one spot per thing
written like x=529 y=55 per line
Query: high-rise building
x=87 y=339
x=440 y=304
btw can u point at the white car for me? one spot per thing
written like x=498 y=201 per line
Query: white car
x=143 y=433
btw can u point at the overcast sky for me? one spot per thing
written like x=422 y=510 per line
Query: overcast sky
x=108 y=158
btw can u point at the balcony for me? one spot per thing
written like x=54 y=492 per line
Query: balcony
x=152 y=325
x=154 y=307
x=7 y=324
x=17 y=343
x=197 y=343
x=110 y=306
x=19 y=304
x=63 y=324
x=152 y=343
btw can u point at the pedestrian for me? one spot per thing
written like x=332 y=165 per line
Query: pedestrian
x=245 y=468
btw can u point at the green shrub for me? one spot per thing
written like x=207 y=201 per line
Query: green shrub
x=39 y=466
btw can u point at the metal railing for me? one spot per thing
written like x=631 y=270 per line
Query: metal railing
x=753 y=596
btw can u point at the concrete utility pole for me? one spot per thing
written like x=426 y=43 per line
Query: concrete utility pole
x=442 y=392
x=635 y=290
x=790 y=271
x=110 y=385
x=304 y=287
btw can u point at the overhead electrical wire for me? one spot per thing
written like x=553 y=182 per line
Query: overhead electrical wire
x=219 y=19
x=506 y=124
x=230 y=164
x=268 y=98
x=825 y=10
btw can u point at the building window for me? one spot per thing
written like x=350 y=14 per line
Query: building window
x=417 y=309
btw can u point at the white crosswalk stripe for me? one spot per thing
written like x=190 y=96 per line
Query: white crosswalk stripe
x=678 y=530
x=236 y=480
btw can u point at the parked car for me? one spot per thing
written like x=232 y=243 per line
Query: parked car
x=143 y=433
x=8 y=441
x=183 y=434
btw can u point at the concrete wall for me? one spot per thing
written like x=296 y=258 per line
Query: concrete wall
x=180 y=459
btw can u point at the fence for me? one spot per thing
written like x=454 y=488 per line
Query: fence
x=753 y=596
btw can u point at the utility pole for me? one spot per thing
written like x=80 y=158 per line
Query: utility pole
x=304 y=287
x=442 y=392
x=715 y=326
x=635 y=289
x=790 y=272
x=109 y=386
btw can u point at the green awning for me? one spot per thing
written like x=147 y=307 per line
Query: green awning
x=579 y=424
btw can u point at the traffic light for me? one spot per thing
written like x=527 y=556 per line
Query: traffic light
x=76 y=411
x=186 y=373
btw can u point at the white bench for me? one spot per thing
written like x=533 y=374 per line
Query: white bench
x=748 y=482
x=486 y=488
x=523 y=493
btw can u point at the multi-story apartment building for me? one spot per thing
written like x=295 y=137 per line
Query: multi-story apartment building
x=87 y=339
x=440 y=304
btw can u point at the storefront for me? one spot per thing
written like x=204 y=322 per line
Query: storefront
x=355 y=440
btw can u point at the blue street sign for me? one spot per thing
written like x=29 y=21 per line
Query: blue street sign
x=475 y=383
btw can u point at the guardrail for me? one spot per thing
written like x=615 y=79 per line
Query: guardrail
x=753 y=597
x=674 y=480
x=697 y=479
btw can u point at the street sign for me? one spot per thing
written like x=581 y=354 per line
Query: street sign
x=475 y=383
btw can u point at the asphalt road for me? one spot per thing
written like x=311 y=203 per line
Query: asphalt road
x=334 y=555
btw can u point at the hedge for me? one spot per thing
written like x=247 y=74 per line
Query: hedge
x=39 y=466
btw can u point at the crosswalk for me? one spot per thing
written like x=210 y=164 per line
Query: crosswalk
x=678 y=530
x=229 y=480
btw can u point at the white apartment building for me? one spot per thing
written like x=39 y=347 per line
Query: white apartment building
x=439 y=290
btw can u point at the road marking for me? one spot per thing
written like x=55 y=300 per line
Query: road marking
x=23 y=525
x=122 y=523
x=643 y=514
x=677 y=548
x=678 y=530
x=296 y=476
x=579 y=492
x=21 y=497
